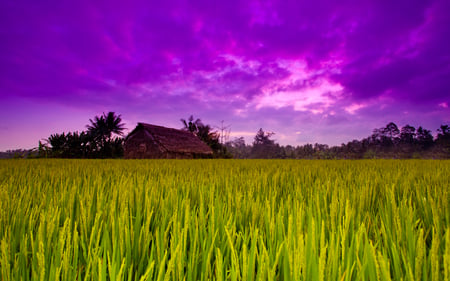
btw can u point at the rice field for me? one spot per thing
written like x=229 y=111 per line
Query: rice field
x=224 y=220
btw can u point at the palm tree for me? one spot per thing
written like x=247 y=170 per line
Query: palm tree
x=102 y=129
x=204 y=133
x=58 y=143
x=113 y=124
x=191 y=125
x=97 y=128
x=105 y=126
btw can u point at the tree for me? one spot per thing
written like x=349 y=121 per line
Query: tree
x=353 y=149
x=58 y=142
x=406 y=146
x=206 y=134
x=263 y=146
x=304 y=152
x=190 y=125
x=424 y=138
x=210 y=137
x=238 y=142
x=443 y=133
x=97 y=128
x=391 y=131
x=383 y=141
x=114 y=124
x=443 y=140
x=43 y=150
x=78 y=145
x=407 y=134
x=263 y=138
x=380 y=139
x=102 y=130
x=238 y=148
x=70 y=145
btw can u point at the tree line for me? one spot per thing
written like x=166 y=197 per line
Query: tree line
x=387 y=142
x=103 y=138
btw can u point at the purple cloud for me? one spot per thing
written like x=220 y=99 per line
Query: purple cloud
x=312 y=71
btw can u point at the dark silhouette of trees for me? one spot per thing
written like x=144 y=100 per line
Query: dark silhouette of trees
x=114 y=125
x=238 y=149
x=264 y=147
x=385 y=137
x=70 y=145
x=97 y=129
x=407 y=142
x=210 y=137
x=443 y=140
x=191 y=125
x=443 y=134
x=352 y=150
x=263 y=138
x=101 y=140
x=43 y=150
x=58 y=142
x=386 y=142
x=305 y=152
x=424 y=138
x=391 y=131
x=390 y=142
x=105 y=132
x=407 y=135
x=206 y=134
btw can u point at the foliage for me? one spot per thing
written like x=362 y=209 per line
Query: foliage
x=190 y=125
x=102 y=130
x=206 y=134
x=386 y=142
x=224 y=220
x=238 y=148
x=101 y=140
x=263 y=146
x=18 y=154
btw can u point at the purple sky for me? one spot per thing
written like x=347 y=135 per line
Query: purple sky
x=310 y=71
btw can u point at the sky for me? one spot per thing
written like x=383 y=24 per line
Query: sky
x=310 y=71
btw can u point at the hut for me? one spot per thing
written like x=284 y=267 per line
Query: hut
x=151 y=141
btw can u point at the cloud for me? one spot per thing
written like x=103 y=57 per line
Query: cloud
x=328 y=62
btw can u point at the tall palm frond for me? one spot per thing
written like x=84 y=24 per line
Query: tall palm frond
x=190 y=125
x=104 y=126
x=98 y=129
x=113 y=123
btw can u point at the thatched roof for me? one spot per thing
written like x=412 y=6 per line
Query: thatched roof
x=173 y=140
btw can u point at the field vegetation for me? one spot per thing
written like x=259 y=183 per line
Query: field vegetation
x=224 y=219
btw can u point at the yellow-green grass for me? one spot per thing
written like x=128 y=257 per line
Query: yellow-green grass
x=224 y=220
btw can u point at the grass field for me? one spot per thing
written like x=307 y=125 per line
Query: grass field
x=224 y=220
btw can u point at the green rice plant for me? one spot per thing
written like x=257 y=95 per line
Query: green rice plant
x=224 y=220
